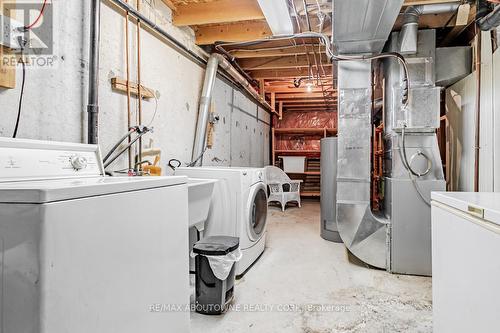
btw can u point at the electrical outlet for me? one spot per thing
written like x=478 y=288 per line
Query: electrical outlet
x=11 y=32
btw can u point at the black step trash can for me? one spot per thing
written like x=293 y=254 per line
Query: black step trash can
x=214 y=266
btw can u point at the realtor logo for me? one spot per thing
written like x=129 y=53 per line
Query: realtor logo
x=27 y=28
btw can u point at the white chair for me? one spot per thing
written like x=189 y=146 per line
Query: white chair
x=282 y=188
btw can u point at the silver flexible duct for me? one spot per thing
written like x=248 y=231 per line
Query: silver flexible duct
x=214 y=62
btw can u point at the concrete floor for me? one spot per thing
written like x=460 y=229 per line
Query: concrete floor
x=299 y=272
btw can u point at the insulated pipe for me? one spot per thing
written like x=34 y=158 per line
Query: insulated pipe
x=214 y=62
x=93 y=100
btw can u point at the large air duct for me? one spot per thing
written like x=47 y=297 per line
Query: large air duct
x=214 y=62
x=362 y=26
x=364 y=234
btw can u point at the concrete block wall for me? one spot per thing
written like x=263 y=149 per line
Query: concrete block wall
x=55 y=99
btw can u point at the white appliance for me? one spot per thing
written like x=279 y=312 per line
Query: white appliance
x=238 y=208
x=465 y=264
x=80 y=252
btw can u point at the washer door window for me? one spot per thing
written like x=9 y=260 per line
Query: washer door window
x=257 y=211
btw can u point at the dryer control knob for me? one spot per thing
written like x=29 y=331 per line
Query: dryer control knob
x=78 y=162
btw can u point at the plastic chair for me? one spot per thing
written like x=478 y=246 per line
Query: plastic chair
x=282 y=188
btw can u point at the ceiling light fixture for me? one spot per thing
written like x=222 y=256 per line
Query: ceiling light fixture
x=277 y=16
x=309 y=86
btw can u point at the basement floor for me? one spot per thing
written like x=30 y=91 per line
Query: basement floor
x=299 y=272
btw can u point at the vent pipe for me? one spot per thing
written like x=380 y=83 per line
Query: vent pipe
x=214 y=62
x=407 y=42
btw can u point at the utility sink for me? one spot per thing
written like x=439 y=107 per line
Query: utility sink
x=199 y=197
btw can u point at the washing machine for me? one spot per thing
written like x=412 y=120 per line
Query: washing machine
x=238 y=208
x=81 y=252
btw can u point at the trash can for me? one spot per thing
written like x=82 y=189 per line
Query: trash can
x=214 y=266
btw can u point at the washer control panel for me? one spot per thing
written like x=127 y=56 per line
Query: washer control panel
x=31 y=159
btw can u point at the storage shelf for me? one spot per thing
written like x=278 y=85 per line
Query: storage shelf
x=298 y=151
x=306 y=131
x=310 y=194
x=307 y=173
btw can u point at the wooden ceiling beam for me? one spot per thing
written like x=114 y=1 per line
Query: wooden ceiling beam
x=300 y=95
x=283 y=73
x=221 y=11
x=233 y=32
x=282 y=62
x=292 y=89
x=304 y=101
x=285 y=51
x=170 y=5
x=425 y=2
x=316 y=104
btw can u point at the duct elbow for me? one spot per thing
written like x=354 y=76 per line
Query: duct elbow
x=407 y=41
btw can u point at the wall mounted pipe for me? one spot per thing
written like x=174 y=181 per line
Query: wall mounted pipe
x=93 y=100
x=214 y=62
x=408 y=37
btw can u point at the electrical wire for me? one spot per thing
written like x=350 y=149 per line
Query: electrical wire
x=219 y=46
x=40 y=15
x=193 y=163
x=155 y=112
x=411 y=172
x=20 y=105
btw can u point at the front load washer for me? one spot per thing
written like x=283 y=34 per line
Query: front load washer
x=238 y=208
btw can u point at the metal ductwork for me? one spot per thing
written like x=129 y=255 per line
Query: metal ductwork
x=364 y=234
x=488 y=21
x=214 y=62
x=408 y=37
x=362 y=26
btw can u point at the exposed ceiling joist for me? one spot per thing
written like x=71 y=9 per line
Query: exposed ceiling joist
x=283 y=62
x=291 y=89
x=221 y=11
x=170 y=5
x=283 y=73
x=301 y=95
x=283 y=51
x=233 y=32
x=425 y=2
x=304 y=101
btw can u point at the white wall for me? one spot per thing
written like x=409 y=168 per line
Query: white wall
x=461 y=104
x=55 y=99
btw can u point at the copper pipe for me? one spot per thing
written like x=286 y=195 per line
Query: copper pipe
x=478 y=112
x=139 y=83
x=129 y=112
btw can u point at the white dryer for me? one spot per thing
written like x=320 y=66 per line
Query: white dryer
x=238 y=208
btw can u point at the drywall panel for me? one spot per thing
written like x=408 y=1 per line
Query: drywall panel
x=460 y=110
